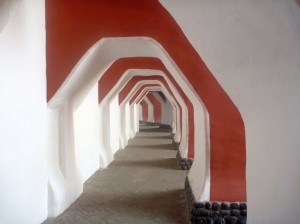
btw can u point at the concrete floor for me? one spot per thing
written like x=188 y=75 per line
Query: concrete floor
x=142 y=185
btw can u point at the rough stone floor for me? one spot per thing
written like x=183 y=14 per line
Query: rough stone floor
x=142 y=185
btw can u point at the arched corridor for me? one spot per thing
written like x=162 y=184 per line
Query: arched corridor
x=77 y=77
x=142 y=185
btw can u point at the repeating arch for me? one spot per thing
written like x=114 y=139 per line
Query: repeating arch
x=142 y=88
x=186 y=122
x=227 y=132
x=86 y=74
x=123 y=79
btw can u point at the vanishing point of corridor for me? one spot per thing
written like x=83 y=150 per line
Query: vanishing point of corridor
x=142 y=185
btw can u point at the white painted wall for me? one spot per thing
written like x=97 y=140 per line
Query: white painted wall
x=150 y=110
x=105 y=153
x=140 y=112
x=134 y=111
x=86 y=132
x=23 y=113
x=65 y=181
x=253 y=49
x=114 y=124
x=127 y=121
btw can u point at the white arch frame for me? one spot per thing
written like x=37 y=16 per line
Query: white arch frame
x=84 y=76
x=124 y=79
x=134 y=122
x=125 y=124
x=179 y=137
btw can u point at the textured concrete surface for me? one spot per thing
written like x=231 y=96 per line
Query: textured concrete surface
x=142 y=185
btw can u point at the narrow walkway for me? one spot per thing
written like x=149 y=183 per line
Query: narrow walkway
x=142 y=185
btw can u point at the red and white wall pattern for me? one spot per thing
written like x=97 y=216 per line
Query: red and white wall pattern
x=101 y=62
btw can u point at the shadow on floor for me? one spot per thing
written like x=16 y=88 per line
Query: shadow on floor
x=158 y=146
x=154 y=129
x=159 y=164
x=156 y=137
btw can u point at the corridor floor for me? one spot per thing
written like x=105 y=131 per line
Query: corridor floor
x=141 y=186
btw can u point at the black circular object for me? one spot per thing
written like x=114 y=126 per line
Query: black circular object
x=235 y=212
x=215 y=214
x=207 y=205
x=244 y=213
x=225 y=206
x=215 y=206
x=231 y=220
x=243 y=206
x=202 y=212
x=234 y=205
x=199 y=205
x=219 y=221
x=242 y=220
x=225 y=213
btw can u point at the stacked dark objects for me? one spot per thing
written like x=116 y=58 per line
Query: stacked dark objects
x=186 y=164
x=215 y=212
x=183 y=163
x=219 y=213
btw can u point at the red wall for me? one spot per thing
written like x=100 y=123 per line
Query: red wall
x=145 y=110
x=74 y=26
x=156 y=107
x=135 y=96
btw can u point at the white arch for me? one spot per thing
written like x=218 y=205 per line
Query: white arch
x=80 y=81
x=150 y=110
x=105 y=112
x=125 y=123
x=165 y=118
x=162 y=88
x=184 y=138
x=126 y=76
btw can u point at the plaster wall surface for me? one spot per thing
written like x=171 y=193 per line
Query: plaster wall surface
x=157 y=107
x=23 y=114
x=253 y=49
x=86 y=131
x=134 y=120
x=114 y=124
x=106 y=154
x=127 y=120
x=140 y=112
x=150 y=110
